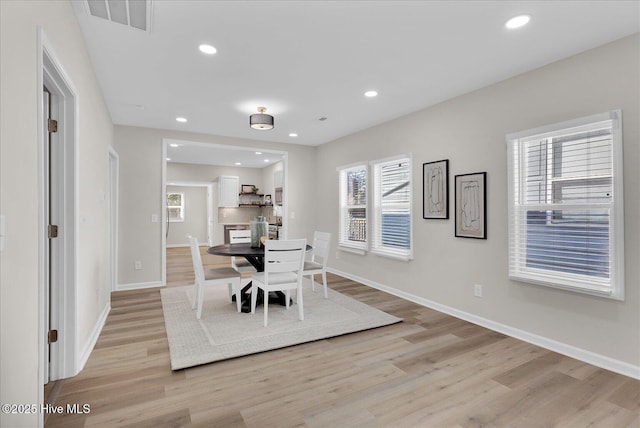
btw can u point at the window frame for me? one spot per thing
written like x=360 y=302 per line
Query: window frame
x=357 y=247
x=613 y=287
x=377 y=247
x=181 y=207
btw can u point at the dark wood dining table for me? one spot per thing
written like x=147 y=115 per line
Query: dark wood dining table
x=255 y=256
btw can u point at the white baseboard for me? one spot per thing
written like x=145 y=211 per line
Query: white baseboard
x=93 y=338
x=593 y=358
x=139 y=285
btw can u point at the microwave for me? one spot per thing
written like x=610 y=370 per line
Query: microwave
x=278 y=198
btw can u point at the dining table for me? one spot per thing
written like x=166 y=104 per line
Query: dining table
x=255 y=256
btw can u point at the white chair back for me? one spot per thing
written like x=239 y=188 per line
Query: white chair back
x=240 y=236
x=284 y=256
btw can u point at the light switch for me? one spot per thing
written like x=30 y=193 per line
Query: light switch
x=293 y=215
x=154 y=218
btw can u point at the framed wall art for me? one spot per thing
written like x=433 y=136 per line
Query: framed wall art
x=471 y=205
x=435 y=189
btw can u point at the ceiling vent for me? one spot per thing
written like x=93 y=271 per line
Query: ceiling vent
x=132 y=13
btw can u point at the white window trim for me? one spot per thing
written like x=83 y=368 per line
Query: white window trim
x=376 y=248
x=359 y=248
x=613 y=289
x=181 y=206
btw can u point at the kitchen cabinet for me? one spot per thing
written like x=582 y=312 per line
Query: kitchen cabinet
x=228 y=186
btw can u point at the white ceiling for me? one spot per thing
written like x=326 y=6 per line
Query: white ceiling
x=304 y=60
x=215 y=154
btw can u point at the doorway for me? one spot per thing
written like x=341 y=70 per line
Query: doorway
x=57 y=214
x=219 y=160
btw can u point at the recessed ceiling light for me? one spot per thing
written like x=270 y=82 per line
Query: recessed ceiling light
x=168 y=159
x=371 y=94
x=258 y=153
x=181 y=119
x=293 y=134
x=174 y=145
x=238 y=163
x=208 y=49
x=518 y=21
x=266 y=160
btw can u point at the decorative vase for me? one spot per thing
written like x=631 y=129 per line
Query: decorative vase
x=259 y=228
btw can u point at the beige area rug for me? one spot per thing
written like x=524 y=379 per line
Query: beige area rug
x=223 y=333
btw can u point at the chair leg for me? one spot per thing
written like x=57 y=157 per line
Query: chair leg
x=230 y=291
x=313 y=284
x=266 y=306
x=254 y=298
x=196 y=289
x=238 y=292
x=200 y=299
x=287 y=297
x=324 y=283
x=299 y=302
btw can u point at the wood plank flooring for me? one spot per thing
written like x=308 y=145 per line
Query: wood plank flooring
x=431 y=370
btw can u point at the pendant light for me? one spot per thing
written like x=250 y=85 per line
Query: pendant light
x=261 y=120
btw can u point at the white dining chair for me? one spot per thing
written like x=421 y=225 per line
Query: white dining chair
x=240 y=237
x=317 y=265
x=211 y=277
x=282 y=272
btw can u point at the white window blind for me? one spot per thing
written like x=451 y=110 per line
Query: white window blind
x=175 y=206
x=353 y=207
x=391 y=231
x=565 y=208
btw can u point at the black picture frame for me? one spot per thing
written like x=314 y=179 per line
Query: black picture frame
x=471 y=205
x=435 y=189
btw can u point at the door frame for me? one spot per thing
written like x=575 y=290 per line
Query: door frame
x=163 y=228
x=64 y=354
x=211 y=214
x=114 y=172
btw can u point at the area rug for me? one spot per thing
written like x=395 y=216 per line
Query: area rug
x=223 y=333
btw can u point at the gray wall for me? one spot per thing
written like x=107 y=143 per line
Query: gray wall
x=470 y=131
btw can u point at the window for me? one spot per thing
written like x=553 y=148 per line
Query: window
x=391 y=229
x=175 y=206
x=565 y=206
x=353 y=208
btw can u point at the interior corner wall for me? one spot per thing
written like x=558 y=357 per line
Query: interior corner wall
x=19 y=197
x=140 y=154
x=470 y=131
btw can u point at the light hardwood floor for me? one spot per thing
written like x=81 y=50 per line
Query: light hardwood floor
x=431 y=370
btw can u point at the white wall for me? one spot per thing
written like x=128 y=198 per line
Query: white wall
x=470 y=131
x=19 y=316
x=140 y=152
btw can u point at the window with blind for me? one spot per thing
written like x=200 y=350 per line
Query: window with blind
x=352 y=232
x=391 y=228
x=565 y=205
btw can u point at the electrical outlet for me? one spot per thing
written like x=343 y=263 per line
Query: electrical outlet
x=337 y=255
x=137 y=265
x=477 y=290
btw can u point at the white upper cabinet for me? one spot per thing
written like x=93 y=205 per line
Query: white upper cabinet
x=228 y=186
